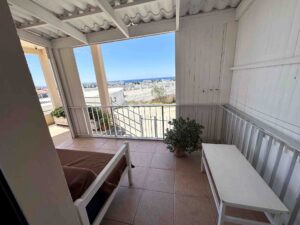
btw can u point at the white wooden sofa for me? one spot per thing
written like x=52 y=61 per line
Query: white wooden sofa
x=90 y=211
x=82 y=202
x=235 y=183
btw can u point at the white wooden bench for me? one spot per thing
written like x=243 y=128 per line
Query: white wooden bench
x=235 y=183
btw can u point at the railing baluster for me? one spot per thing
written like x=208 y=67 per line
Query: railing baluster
x=241 y=135
x=223 y=129
x=113 y=120
x=265 y=160
x=236 y=133
x=250 y=143
x=245 y=138
x=93 y=116
x=103 y=120
x=276 y=164
x=155 y=126
x=98 y=118
x=145 y=118
x=229 y=127
x=150 y=121
x=107 y=109
x=232 y=130
x=163 y=121
x=288 y=176
x=256 y=152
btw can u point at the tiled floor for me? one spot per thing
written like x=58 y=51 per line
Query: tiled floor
x=166 y=190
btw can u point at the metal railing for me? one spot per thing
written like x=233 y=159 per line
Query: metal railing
x=149 y=121
x=274 y=155
x=138 y=121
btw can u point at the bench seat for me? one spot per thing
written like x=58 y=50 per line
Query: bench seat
x=236 y=183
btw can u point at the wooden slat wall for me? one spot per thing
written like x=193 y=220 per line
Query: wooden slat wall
x=266 y=84
x=267 y=64
x=205 y=48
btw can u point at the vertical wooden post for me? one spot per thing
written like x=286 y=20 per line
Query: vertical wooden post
x=100 y=75
x=49 y=78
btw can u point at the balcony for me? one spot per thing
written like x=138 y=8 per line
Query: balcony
x=237 y=74
x=169 y=190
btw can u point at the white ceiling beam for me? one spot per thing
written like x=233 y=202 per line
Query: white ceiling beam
x=136 y=31
x=242 y=8
x=85 y=13
x=33 y=38
x=139 y=30
x=177 y=14
x=44 y=15
x=105 y=7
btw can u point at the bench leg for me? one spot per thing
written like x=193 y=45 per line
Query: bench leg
x=128 y=161
x=202 y=163
x=221 y=213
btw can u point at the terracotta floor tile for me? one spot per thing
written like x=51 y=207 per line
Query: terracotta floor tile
x=189 y=163
x=193 y=184
x=163 y=161
x=124 y=206
x=144 y=146
x=160 y=180
x=112 y=222
x=193 y=211
x=138 y=177
x=141 y=159
x=162 y=148
x=155 y=208
x=113 y=144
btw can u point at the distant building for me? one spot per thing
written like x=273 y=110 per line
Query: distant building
x=116 y=95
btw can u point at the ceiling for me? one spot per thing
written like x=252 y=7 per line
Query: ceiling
x=85 y=16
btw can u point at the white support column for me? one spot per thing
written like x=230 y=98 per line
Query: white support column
x=68 y=76
x=100 y=75
x=27 y=157
x=49 y=78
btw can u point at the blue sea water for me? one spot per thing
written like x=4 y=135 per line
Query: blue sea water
x=143 y=79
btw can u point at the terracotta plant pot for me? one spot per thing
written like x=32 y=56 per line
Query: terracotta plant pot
x=179 y=152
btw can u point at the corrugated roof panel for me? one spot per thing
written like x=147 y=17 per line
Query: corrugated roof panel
x=87 y=21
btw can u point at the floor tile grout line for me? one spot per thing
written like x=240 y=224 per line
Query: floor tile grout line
x=138 y=205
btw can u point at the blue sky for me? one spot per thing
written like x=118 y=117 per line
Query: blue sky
x=35 y=69
x=146 y=57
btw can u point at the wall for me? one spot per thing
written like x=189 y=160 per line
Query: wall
x=267 y=64
x=27 y=156
x=266 y=84
x=205 y=47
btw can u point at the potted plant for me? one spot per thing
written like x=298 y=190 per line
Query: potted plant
x=99 y=119
x=184 y=136
x=59 y=116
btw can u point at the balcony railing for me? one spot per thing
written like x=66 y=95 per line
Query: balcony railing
x=149 y=121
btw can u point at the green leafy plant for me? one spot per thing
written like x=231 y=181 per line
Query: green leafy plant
x=98 y=115
x=58 y=112
x=185 y=135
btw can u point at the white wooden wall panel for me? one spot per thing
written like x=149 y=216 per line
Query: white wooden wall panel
x=268 y=31
x=203 y=73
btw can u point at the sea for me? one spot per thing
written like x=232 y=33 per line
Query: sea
x=141 y=80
